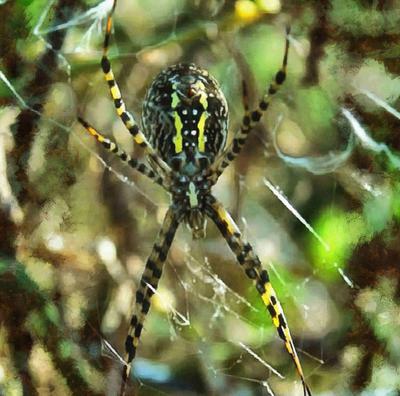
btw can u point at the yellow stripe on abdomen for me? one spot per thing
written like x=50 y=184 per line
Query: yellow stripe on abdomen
x=178 y=132
x=177 y=121
x=201 y=126
x=202 y=122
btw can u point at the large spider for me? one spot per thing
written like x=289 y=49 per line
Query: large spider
x=185 y=123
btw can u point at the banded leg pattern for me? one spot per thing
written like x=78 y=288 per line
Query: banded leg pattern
x=148 y=284
x=251 y=118
x=115 y=149
x=251 y=265
x=126 y=117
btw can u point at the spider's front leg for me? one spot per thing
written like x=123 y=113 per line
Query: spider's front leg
x=112 y=147
x=119 y=103
x=251 y=265
x=250 y=118
x=148 y=284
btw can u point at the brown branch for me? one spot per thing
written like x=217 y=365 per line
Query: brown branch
x=318 y=37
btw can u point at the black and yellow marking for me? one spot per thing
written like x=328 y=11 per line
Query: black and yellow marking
x=202 y=121
x=178 y=123
x=120 y=107
x=179 y=119
x=148 y=283
x=119 y=104
x=112 y=147
x=185 y=117
x=252 y=267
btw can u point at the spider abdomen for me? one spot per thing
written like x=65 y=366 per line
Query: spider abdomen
x=185 y=117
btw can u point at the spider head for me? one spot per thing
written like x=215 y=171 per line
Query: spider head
x=185 y=117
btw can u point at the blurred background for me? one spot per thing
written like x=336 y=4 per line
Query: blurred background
x=316 y=191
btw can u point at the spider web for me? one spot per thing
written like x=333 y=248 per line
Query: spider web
x=201 y=291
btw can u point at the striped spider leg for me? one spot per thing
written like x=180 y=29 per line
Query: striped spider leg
x=112 y=147
x=148 y=284
x=251 y=265
x=126 y=117
x=250 y=118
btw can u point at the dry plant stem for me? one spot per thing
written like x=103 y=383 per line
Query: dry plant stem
x=318 y=39
x=10 y=212
x=8 y=203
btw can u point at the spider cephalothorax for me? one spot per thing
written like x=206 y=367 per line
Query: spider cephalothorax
x=185 y=118
x=192 y=194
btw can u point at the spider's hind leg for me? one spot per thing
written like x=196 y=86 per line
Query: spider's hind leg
x=251 y=265
x=147 y=286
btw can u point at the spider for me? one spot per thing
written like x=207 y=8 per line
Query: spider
x=185 y=124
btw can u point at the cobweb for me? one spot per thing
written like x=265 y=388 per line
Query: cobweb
x=91 y=20
x=199 y=282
